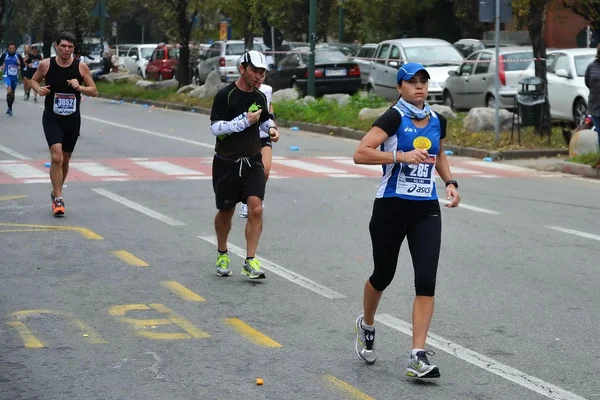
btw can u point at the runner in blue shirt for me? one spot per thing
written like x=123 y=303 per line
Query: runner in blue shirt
x=10 y=62
x=408 y=141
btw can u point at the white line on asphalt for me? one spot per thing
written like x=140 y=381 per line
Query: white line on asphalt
x=346 y=176
x=95 y=169
x=310 y=167
x=281 y=271
x=46 y=180
x=138 y=207
x=21 y=171
x=488 y=364
x=13 y=153
x=167 y=168
x=574 y=232
x=505 y=167
x=162 y=135
x=472 y=208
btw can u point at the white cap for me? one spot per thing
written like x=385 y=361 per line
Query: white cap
x=255 y=58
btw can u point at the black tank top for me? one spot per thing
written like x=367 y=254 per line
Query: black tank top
x=62 y=100
x=34 y=60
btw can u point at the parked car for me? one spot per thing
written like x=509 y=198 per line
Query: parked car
x=137 y=58
x=364 y=58
x=437 y=55
x=163 y=63
x=334 y=72
x=567 y=92
x=469 y=46
x=223 y=57
x=473 y=84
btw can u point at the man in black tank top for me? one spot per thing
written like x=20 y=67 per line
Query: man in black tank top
x=63 y=76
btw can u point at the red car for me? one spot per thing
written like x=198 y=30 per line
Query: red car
x=163 y=63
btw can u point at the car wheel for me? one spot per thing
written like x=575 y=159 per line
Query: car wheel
x=490 y=101
x=139 y=71
x=160 y=78
x=579 y=111
x=448 y=100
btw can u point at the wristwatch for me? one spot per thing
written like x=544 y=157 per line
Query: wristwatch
x=452 y=182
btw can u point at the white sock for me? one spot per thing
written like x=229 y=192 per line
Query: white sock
x=365 y=326
x=415 y=351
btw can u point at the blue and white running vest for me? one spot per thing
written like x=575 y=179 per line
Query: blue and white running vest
x=412 y=181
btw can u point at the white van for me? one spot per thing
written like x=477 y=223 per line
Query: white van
x=436 y=55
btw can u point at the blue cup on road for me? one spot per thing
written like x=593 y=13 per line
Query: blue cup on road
x=295 y=128
x=448 y=152
x=294 y=148
x=488 y=159
x=47 y=165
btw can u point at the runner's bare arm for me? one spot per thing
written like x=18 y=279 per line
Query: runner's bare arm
x=90 y=87
x=37 y=78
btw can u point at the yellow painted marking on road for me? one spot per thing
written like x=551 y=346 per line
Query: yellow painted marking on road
x=129 y=258
x=86 y=233
x=25 y=230
x=347 y=389
x=144 y=327
x=251 y=334
x=88 y=332
x=29 y=339
x=182 y=291
x=12 y=197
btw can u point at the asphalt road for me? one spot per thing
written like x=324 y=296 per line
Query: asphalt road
x=119 y=299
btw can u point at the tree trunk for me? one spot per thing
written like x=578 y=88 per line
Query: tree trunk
x=2 y=11
x=537 y=22
x=185 y=31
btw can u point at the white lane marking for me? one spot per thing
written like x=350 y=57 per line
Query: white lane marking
x=376 y=168
x=167 y=168
x=47 y=180
x=139 y=159
x=310 y=167
x=194 y=178
x=22 y=171
x=472 y=208
x=95 y=169
x=138 y=207
x=116 y=179
x=157 y=134
x=487 y=176
x=13 y=153
x=345 y=176
x=488 y=364
x=574 y=232
x=496 y=165
x=459 y=170
x=281 y=271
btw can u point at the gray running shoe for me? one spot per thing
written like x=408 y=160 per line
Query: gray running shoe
x=365 y=342
x=223 y=265
x=420 y=367
x=252 y=269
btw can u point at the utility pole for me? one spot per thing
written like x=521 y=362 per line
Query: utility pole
x=497 y=77
x=312 y=35
x=341 y=22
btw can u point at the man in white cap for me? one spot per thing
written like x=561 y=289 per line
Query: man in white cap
x=238 y=114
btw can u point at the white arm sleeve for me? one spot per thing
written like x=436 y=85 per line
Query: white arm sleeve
x=237 y=124
x=265 y=125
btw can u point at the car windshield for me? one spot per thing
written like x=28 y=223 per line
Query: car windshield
x=147 y=52
x=434 y=55
x=517 y=61
x=326 y=57
x=582 y=62
x=237 y=49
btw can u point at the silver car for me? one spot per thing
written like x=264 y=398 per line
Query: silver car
x=363 y=59
x=473 y=84
x=436 y=55
x=223 y=57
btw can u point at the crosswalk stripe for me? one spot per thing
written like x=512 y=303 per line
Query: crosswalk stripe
x=376 y=168
x=310 y=167
x=22 y=171
x=96 y=169
x=167 y=168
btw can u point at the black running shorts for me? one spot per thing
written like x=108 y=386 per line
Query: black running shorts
x=236 y=180
x=264 y=142
x=61 y=129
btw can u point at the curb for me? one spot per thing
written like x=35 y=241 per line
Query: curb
x=578 y=169
x=358 y=134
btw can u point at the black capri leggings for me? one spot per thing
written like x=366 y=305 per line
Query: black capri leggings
x=394 y=218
